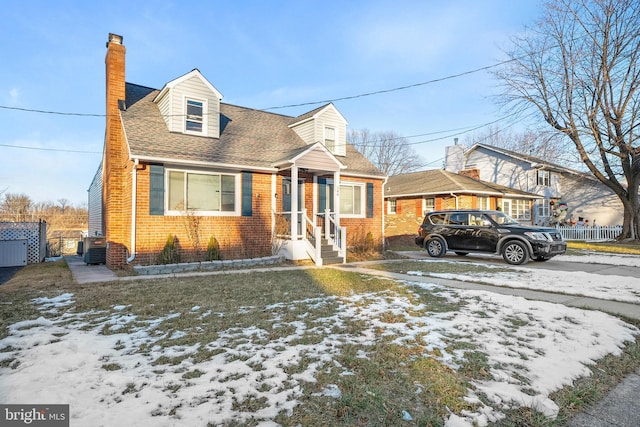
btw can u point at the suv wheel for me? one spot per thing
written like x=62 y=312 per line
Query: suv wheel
x=435 y=247
x=515 y=252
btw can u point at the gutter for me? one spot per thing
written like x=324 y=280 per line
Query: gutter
x=134 y=185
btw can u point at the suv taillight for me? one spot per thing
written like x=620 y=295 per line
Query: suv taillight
x=419 y=230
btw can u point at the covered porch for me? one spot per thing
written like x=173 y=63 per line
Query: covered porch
x=306 y=220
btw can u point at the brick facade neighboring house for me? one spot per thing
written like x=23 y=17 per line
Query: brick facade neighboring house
x=568 y=196
x=179 y=162
x=409 y=196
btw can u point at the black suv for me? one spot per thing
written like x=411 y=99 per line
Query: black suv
x=464 y=231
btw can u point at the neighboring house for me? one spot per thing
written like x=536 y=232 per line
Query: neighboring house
x=178 y=161
x=568 y=196
x=409 y=196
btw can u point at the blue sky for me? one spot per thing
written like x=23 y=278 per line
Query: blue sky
x=258 y=54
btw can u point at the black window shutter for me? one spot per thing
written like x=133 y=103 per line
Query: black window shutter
x=369 y=199
x=322 y=195
x=156 y=190
x=247 y=193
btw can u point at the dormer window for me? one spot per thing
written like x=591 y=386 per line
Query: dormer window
x=330 y=138
x=194 y=116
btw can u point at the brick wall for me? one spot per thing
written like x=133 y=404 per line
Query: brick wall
x=238 y=236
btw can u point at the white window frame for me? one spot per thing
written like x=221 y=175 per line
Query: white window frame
x=186 y=116
x=425 y=206
x=519 y=209
x=543 y=178
x=544 y=208
x=332 y=149
x=363 y=199
x=393 y=206
x=236 y=199
x=484 y=203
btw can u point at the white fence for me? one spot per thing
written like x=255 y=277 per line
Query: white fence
x=590 y=233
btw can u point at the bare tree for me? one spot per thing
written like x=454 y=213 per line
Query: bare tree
x=388 y=151
x=543 y=145
x=580 y=69
x=16 y=207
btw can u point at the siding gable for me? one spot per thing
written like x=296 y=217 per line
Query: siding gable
x=173 y=97
x=312 y=129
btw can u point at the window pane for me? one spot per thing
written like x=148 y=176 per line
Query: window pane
x=228 y=198
x=357 y=197
x=346 y=199
x=176 y=191
x=330 y=138
x=194 y=115
x=203 y=192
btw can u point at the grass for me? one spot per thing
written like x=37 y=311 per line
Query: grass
x=375 y=390
x=611 y=247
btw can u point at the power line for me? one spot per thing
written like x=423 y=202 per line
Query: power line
x=378 y=92
x=50 y=149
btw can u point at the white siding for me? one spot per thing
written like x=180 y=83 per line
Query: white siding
x=585 y=197
x=306 y=131
x=193 y=88
x=95 y=204
x=330 y=117
x=164 y=107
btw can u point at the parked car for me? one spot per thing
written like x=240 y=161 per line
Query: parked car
x=464 y=231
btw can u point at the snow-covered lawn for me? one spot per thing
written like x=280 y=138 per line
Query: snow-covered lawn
x=106 y=364
x=609 y=287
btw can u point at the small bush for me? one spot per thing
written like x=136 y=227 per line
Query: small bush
x=169 y=254
x=213 y=250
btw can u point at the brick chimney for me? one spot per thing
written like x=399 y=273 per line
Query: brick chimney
x=471 y=173
x=115 y=162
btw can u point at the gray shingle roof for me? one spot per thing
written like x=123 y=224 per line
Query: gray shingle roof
x=248 y=137
x=438 y=181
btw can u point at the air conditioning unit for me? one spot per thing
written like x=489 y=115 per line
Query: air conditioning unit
x=95 y=250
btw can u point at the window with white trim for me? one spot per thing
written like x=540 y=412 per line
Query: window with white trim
x=517 y=208
x=428 y=205
x=194 y=116
x=484 y=203
x=392 y=206
x=544 y=208
x=330 y=138
x=207 y=193
x=351 y=199
x=543 y=178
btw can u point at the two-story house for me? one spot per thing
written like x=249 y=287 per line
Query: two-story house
x=569 y=196
x=178 y=161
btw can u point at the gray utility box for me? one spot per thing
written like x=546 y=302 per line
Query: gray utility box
x=95 y=250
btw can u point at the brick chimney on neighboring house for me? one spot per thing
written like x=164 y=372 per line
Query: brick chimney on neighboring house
x=116 y=167
x=471 y=173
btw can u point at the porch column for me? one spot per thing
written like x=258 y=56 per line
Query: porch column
x=294 y=202
x=336 y=196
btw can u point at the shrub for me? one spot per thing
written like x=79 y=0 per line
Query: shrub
x=213 y=250
x=169 y=254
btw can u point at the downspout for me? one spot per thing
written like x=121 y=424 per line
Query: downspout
x=456 y=197
x=384 y=208
x=134 y=184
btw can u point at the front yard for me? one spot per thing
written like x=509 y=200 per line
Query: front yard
x=301 y=347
